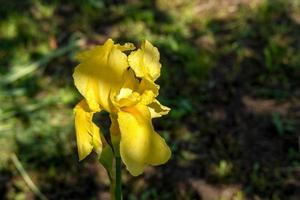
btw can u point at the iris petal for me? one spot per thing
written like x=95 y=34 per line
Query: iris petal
x=140 y=145
x=135 y=91
x=148 y=90
x=87 y=133
x=157 y=109
x=99 y=73
x=145 y=61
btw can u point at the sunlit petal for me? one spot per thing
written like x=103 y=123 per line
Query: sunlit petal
x=135 y=91
x=126 y=47
x=140 y=145
x=145 y=61
x=100 y=72
x=157 y=109
x=127 y=95
x=148 y=90
x=87 y=133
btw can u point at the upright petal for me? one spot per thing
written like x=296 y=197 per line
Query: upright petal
x=134 y=91
x=127 y=95
x=87 y=133
x=100 y=72
x=148 y=90
x=145 y=61
x=140 y=144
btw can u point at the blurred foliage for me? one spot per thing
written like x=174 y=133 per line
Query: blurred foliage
x=213 y=61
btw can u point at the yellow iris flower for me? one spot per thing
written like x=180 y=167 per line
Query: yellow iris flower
x=124 y=86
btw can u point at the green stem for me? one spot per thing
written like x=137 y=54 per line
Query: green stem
x=112 y=188
x=118 y=183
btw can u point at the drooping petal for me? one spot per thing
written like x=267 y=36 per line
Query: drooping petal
x=157 y=109
x=87 y=133
x=145 y=61
x=99 y=73
x=140 y=145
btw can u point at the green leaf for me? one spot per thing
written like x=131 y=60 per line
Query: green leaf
x=106 y=159
x=278 y=123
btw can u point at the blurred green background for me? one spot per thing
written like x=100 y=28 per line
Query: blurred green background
x=231 y=74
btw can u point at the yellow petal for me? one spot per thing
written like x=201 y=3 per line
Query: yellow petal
x=134 y=91
x=130 y=81
x=157 y=109
x=148 y=90
x=100 y=72
x=87 y=133
x=126 y=47
x=145 y=61
x=140 y=145
x=127 y=95
x=135 y=60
